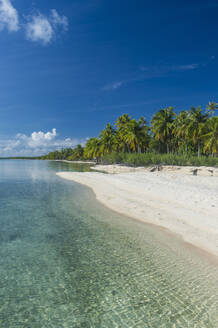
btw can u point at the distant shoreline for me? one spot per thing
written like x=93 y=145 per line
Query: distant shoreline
x=51 y=160
x=184 y=204
x=74 y=162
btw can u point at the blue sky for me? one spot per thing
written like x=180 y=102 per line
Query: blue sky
x=69 y=67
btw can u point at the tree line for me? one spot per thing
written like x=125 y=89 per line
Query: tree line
x=192 y=132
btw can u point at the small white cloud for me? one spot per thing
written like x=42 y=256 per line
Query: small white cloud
x=39 y=29
x=36 y=144
x=58 y=20
x=187 y=67
x=113 y=86
x=8 y=16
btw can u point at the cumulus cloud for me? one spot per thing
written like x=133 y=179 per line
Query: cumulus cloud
x=41 y=28
x=38 y=27
x=8 y=16
x=38 y=143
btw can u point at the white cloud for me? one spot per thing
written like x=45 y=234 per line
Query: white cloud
x=41 y=28
x=40 y=136
x=150 y=72
x=58 y=20
x=187 y=67
x=8 y=16
x=38 y=27
x=159 y=70
x=114 y=85
x=38 y=143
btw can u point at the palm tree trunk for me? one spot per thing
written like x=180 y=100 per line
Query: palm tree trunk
x=199 y=149
x=186 y=146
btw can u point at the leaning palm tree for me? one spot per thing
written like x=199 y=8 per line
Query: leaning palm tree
x=211 y=137
x=162 y=126
x=196 y=126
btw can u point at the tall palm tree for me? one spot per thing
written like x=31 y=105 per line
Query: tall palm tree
x=77 y=152
x=180 y=131
x=133 y=133
x=162 y=126
x=196 y=126
x=107 y=137
x=122 y=124
x=130 y=135
x=142 y=133
x=122 y=120
x=211 y=137
x=92 y=149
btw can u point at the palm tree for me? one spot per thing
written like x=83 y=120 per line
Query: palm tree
x=107 y=137
x=122 y=128
x=122 y=120
x=133 y=133
x=78 y=152
x=211 y=137
x=180 y=131
x=92 y=149
x=130 y=135
x=143 y=135
x=196 y=126
x=162 y=126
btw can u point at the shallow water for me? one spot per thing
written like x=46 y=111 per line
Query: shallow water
x=67 y=261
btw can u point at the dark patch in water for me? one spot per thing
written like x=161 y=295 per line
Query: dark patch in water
x=14 y=237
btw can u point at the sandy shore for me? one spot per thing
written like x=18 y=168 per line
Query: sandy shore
x=187 y=170
x=184 y=204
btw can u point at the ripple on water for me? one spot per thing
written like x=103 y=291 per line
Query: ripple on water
x=66 y=261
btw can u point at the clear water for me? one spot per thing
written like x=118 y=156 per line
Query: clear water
x=67 y=261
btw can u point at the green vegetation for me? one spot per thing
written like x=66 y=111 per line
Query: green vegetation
x=147 y=159
x=66 y=154
x=187 y=138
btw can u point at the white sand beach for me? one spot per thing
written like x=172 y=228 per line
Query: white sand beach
x=185 y=204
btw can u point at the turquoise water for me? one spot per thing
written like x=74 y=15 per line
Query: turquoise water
x=67 y=261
